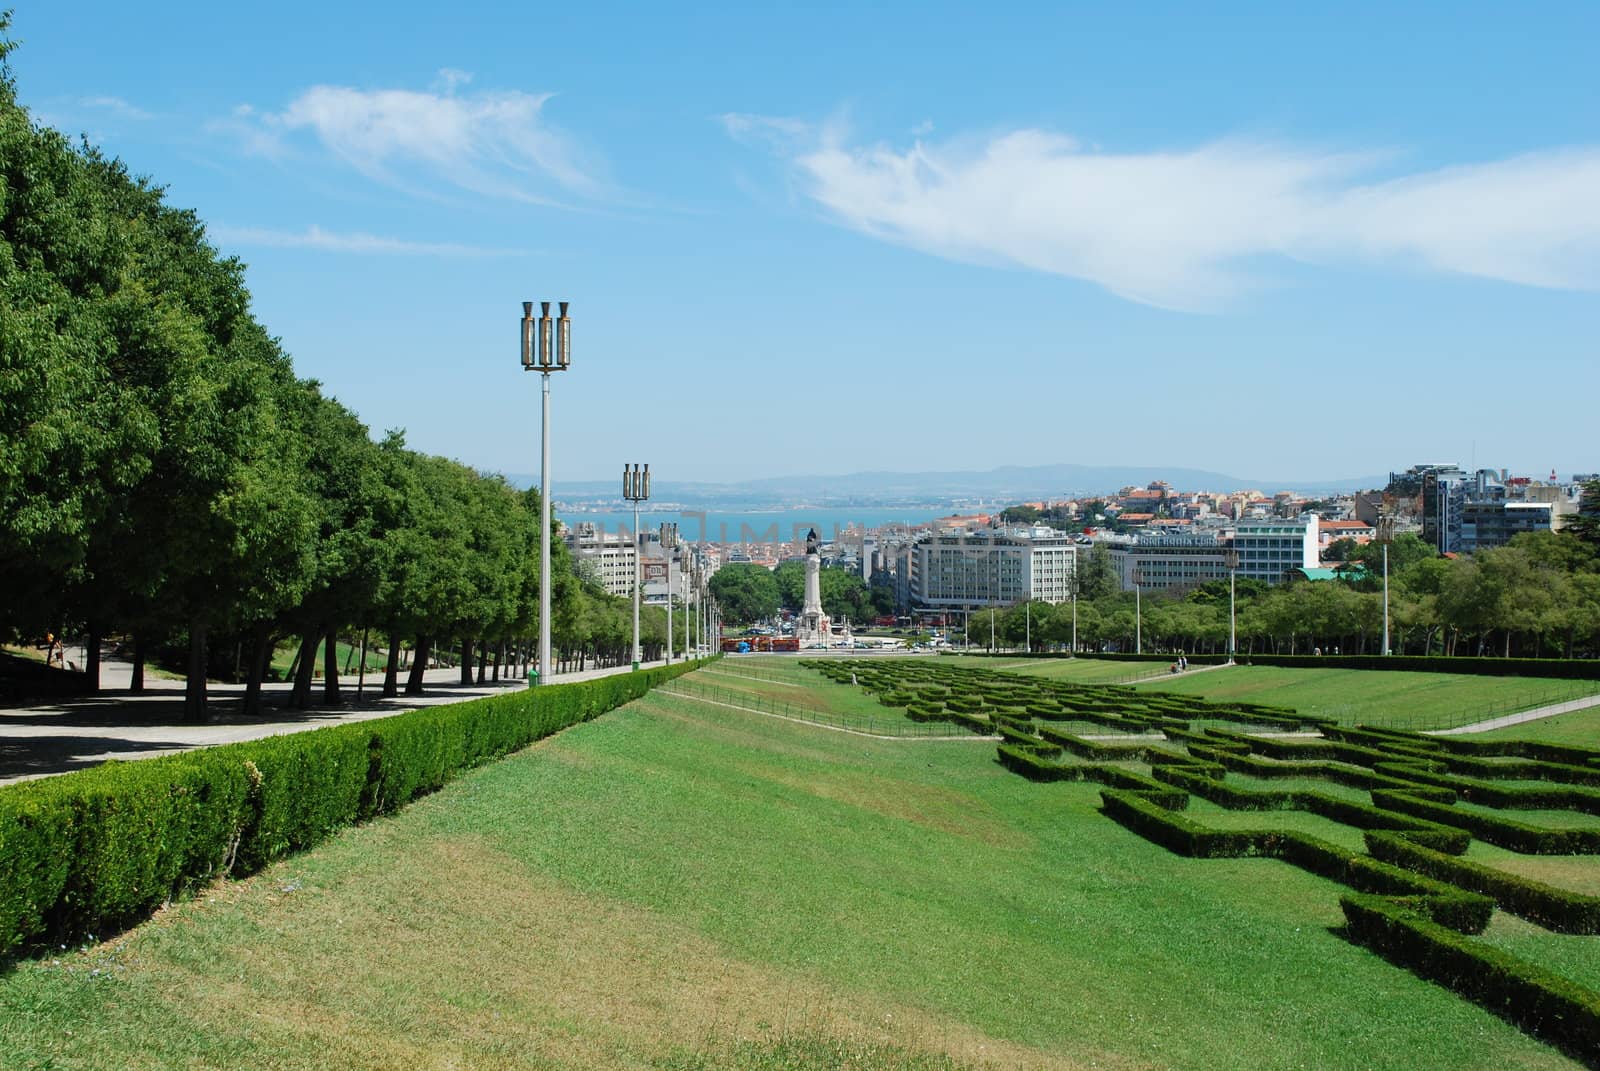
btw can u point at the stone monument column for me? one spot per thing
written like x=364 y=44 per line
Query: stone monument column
x=814 y=625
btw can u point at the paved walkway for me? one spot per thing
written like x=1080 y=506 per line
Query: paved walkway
x=1523 y=716
x=60 y=735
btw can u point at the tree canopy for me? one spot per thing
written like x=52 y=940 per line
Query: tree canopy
x=166 y=476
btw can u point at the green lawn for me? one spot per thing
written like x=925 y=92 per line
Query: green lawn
x=1394 y=699
x=793 y=691
x=677 y=885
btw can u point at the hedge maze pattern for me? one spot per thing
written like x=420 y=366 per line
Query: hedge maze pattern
x=1412 y=896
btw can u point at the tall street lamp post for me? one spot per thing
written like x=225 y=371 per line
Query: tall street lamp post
x=1233 y=567
x=686 y=578
x=669 y=542
x=1385 y=537
x=546 y=348
x=1138 y=615
x=636 y=489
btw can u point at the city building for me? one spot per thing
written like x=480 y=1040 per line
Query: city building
x=1270 y=548
x=1169 y=560
x=957 y=570
x=607 y=556
x=1494 y=523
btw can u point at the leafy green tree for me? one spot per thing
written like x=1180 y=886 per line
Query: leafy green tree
x=1022 y=514
x=1585 y=525
x=1097 y=576
x=747 y=592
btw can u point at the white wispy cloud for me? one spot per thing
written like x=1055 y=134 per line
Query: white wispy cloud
x=314 y=237
x=1193 y=229
x=116 y=106
x=496 y=144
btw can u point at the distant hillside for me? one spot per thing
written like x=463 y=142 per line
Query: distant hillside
x=1008 y=483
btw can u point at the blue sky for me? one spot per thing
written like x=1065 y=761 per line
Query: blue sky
x=1273 y=241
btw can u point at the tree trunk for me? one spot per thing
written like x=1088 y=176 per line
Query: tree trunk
x=483 y=661
x=194 y=692
x=419 y=664
x=256 y=671
x=391 y=671
x=330 y=668
x=305 y=666
x=137 y=683
x=91 y=657
x=466 y=661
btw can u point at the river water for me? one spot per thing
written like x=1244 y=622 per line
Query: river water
x=760 y=526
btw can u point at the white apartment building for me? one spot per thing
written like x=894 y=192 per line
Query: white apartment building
x=610 y=555
x=957 y=570
x=1268 y=549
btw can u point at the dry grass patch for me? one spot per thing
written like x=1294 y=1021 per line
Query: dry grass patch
x=463 y=957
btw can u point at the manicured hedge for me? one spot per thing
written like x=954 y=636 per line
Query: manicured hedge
x=1555 y=909
x=1502 y=832
x=1183 y=836
x=1561 y=1011
x=93 y=851
x=1546 y=797
x=1346 y=812
x=1522 y=749
x=1026 y=762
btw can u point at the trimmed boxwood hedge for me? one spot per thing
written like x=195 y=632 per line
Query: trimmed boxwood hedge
x=1502 y=832
x=96 y=850
x=1561 y=1011
x=1183 y=836
x=1034 y=767
x=1555 y=909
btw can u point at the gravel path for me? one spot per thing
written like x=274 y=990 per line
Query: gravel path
x=1535 y=714
x=61 y=735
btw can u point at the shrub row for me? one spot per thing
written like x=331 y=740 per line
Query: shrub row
x=1522 y=749
x=1095 y=749
x=1555 y=909
x=1561 y=1011
x=1468 y=911
x=1337 y=772
x=94 y=851
x=1502 y=832
x=1346 y=812
x=1300 y=750
x=1546 y=797
x=1035 y=768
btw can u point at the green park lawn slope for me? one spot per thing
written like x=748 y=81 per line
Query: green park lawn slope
x=684 y=886
x=1393 y=699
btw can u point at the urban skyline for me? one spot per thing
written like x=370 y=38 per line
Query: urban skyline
x=756 y=234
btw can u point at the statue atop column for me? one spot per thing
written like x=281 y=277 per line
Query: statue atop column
x=813 y=629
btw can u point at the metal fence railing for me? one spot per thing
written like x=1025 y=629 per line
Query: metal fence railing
x=892 y=723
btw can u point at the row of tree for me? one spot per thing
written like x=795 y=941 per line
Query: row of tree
x=165 y=475
x=1537 y=596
